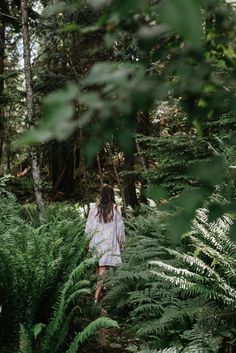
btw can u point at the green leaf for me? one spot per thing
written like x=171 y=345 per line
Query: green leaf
x=60 y=132
x=184 y=17
x=91 y=148
x=149 y=36
x=210 y=172
x=57 y=121
x=125 y=139
x=106 y=72
x=89 y=29
x=71 y=27
x=190 y=201
x=62 y=95
x=56 y=113
x=156 y=193
x=33 y=136
x=215 y=211
x=92 y=99
x=178 y=226
x=88 y=331
x=37 y=329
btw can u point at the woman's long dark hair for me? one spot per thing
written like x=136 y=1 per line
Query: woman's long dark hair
x=105 y=204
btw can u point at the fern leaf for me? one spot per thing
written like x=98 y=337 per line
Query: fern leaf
x=88 y=331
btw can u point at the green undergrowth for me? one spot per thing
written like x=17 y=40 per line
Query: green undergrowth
x=167 y=298
x=177 y=298
x=53 y=212
x=46 y=282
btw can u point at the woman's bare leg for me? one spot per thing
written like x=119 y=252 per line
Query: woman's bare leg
x=99 y=271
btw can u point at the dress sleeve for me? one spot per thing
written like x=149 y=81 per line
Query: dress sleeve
x=90 y=224
x=120 y=227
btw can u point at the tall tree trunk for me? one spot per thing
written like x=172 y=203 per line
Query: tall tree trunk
x=144 y=182
x=62 y=161
x=29 y=102
x=83 y=171
x=100 y=169
x=145 y=128
x=2 y=66
x=129 y=181
x=109 y=152
x=8 y=156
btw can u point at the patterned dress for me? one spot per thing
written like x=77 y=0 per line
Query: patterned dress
x=106 y=238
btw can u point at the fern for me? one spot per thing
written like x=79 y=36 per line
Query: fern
x=25 y=344
x=83 y=336
x=185 y=297
x=65 y=300
x=170 y=157
x=43 y=281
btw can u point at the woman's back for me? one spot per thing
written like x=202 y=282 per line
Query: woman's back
x=107 y=238
x=105 y=228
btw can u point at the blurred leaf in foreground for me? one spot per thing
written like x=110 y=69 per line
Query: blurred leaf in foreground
x=57 y=120
x=209 y=174
x=184 y=17
x=157 y=193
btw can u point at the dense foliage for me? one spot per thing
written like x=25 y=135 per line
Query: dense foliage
x=182 y=299
x=45 y=283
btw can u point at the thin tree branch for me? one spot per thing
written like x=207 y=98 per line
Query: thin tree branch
x=9 y=16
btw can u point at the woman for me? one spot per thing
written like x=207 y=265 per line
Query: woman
x=106 y=229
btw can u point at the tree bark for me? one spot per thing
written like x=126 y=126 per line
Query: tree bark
x=29 y=104
x=145 y=128
x=144 y=182
x=83 y=170
x=2 y=67
x=62 y=161
x=8 y=156
x=100 y=170
x=129 y=181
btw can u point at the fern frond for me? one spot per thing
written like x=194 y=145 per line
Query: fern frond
x=165 y=350
x=88 y=331
x=25 y=344
x=77 y=294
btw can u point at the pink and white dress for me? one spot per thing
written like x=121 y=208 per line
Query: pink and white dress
x=106 y=238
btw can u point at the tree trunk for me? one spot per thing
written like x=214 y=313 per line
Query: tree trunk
x=29 y=104
x=84 y=192
x=129 y=181
x=8 y=156
x=62 y=161
x=2 y=53
x=146 y=181
x=100 y=170
x=145 y=128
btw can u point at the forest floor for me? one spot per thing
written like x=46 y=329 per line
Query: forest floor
x=110 y=341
